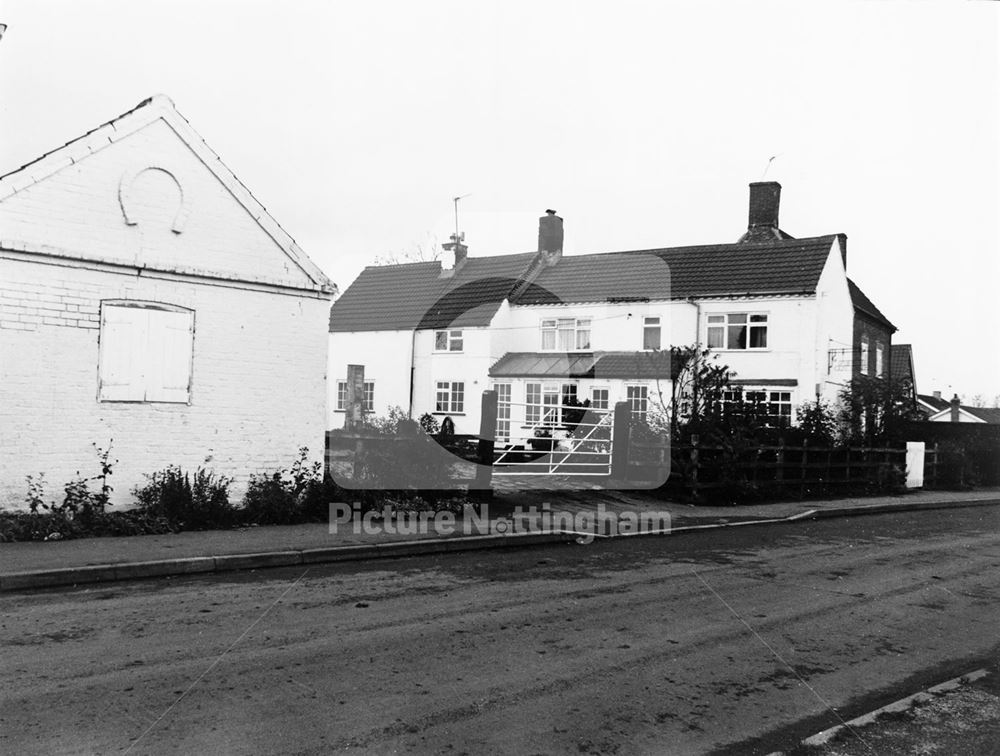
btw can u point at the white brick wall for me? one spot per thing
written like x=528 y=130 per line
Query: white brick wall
x=258 y=387
x=77 y=210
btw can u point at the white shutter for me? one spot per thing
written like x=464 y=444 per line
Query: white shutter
x=124 y=332
x=171 y=338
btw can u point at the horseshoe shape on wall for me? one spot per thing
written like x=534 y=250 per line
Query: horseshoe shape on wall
x=125 y=186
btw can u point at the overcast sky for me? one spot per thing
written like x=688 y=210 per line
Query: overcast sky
x=641 y=123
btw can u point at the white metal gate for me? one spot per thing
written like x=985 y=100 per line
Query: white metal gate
x=548 y=439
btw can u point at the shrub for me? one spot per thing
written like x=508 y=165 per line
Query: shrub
x=429 y=424
x=287 y=496
x=200 y=503
x=956 y=467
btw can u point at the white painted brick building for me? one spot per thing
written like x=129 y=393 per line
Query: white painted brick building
x=147 y=300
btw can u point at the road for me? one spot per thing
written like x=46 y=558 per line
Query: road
x=731 y=641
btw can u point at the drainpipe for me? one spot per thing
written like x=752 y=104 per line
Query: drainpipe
x=413 y=347
x=697 y=321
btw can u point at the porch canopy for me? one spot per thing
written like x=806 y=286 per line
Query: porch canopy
x=621 y=365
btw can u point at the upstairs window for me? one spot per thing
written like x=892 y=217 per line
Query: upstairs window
x=367 y=402
x=146 y=352
x=450 y=397
x=879 y=360
x=864 y=355
x=448 y=341
x=737 y=330
x=566 y=334
x=651 y=333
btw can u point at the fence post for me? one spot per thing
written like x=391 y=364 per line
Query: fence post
x=694 y=465
x=487 y=437
x=934 y=466
x=354 y=402
x=620 y=440
x=804 y=471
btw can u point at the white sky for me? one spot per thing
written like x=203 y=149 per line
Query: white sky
x=640 y=122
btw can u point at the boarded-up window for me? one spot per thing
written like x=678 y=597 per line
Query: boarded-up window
x=145 y=353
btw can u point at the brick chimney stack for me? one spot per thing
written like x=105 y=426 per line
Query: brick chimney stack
x=955 y=404
x=765 y=197
x=550 y=237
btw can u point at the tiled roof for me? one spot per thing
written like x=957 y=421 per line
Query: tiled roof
x=989 y=414
x=864 y=305
x=627 y=365
x=401 y=297
x=901 y=364
x=410 y=296
x=938 y=404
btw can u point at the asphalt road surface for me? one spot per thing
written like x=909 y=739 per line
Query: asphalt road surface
x=740 y=641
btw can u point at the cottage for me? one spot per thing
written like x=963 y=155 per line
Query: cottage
x=543 y=329
x=148 y=301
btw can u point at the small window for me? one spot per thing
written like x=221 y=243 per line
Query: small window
x=879 y=360
x=599 y=398
x=448 y=341
x=146 y=351
x=368 y=402
x=737 y=330
x=864 y=355
x=651 y=333
x=450 y=397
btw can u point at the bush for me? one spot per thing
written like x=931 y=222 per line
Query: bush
x=288 y=496
x=186 y=503
x=429 y=424
x=956 y=467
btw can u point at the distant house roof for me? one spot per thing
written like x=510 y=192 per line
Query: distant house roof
x=986 y=414
x=865 y=306
x=942 y=406
x=417 y=295
x=938 y=403
x=627 y=365
x=901 y=364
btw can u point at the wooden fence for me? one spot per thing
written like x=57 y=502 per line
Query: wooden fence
x=698 y=467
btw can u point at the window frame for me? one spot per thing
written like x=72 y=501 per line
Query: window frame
x=576 y=329
x=865 y=358
x=779 y=401
x=449 y=390
x=749 y=324
x=606 y=400
x=879 y=360
x=367 y=403
x=649 y=328
x=643 y=400
x=452 y=336
x=150 y=355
